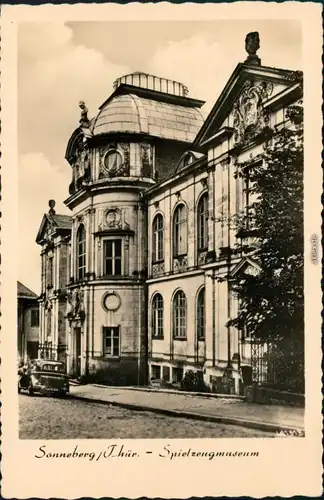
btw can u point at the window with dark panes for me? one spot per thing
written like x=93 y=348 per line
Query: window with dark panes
x=156 y=371
x=111 y=337
x=166 y=373
x=50 y=271
x=157 y=316
x=201 y=315
x=180 y=231
x=177 y=374
x=157 y=250
x=34 y=317
x=81 y=252
x=113 y=257
x=202 y=210
x=179 y=310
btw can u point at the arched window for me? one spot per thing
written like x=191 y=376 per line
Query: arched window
x=81 y=252
x=201 y=314
x=179 y=310
x=157 y=316
x=202 y=212
x=180 y=231
x=157 y=229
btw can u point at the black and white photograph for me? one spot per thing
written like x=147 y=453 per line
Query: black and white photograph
x=161 y=237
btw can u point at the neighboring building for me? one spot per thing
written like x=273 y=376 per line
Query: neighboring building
x=54 y=238
x=150 y=239
x=28 y=322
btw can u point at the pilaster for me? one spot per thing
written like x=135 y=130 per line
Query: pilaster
x=73 y=249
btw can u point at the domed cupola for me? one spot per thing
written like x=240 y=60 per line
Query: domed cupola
x=146 y=104
x=143 y=118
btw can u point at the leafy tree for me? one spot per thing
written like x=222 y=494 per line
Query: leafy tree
x=272 y=302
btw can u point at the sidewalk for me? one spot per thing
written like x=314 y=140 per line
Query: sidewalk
x=270 y=418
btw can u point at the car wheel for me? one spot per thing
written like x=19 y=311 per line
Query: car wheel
x=30 y=390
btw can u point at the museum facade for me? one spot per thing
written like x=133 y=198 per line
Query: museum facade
x=136 y=283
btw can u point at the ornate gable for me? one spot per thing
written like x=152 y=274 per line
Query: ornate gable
x=52 y=224
x=245 y=267
x=244 y=106
x=45 y=231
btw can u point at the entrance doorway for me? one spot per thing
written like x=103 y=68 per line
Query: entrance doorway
x=76 y=361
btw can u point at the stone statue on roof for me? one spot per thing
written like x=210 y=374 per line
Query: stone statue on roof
x=84 y=120
x=51 y=205
x=252 y=45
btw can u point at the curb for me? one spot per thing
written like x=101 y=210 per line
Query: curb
x=167 y=391
x=251 y=424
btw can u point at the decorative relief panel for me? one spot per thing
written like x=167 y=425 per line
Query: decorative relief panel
x=180 y=264
x=125 y=149
x=114 y=161
x=147 y=160
x=251 y=271
x=113 y=218
x=81 y=160
x=80 y=219
x=202 y=258
x=157 y=269
x=75 y=305
x=48 y=232
x=248 y=112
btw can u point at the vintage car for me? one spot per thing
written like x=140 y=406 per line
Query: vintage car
x=44 y=376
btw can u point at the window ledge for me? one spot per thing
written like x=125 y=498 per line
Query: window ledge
x=114 y=231
x=157 y=338
x=108 y=276
x=157 y=262
x=107 y=357
x=180 y=338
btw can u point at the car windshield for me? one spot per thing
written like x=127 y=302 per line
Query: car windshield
x=52 y=368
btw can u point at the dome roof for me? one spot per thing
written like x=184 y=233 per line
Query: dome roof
x=129 y=113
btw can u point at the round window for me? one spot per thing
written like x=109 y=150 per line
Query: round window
x=112 y=161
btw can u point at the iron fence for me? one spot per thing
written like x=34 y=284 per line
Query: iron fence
x=51 y=352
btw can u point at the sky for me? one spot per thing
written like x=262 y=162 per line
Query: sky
x=61 y=64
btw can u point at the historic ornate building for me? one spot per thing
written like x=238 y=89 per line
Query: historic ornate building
x=136 y=283
x=28 y=322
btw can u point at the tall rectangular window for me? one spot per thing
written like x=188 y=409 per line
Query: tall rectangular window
x=203 y=222
x=113 y=258
x=111 y=338
x=157 y=250
x=246 y=189
x=34 y=317
x=180 y=236
x=50 y=272
x=201 y=314
x=157 y=316
x=179 y=315
x=81 y=252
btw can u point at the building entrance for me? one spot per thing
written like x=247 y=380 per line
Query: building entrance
x=76 y=355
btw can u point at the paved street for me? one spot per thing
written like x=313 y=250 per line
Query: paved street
x=43 y=417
